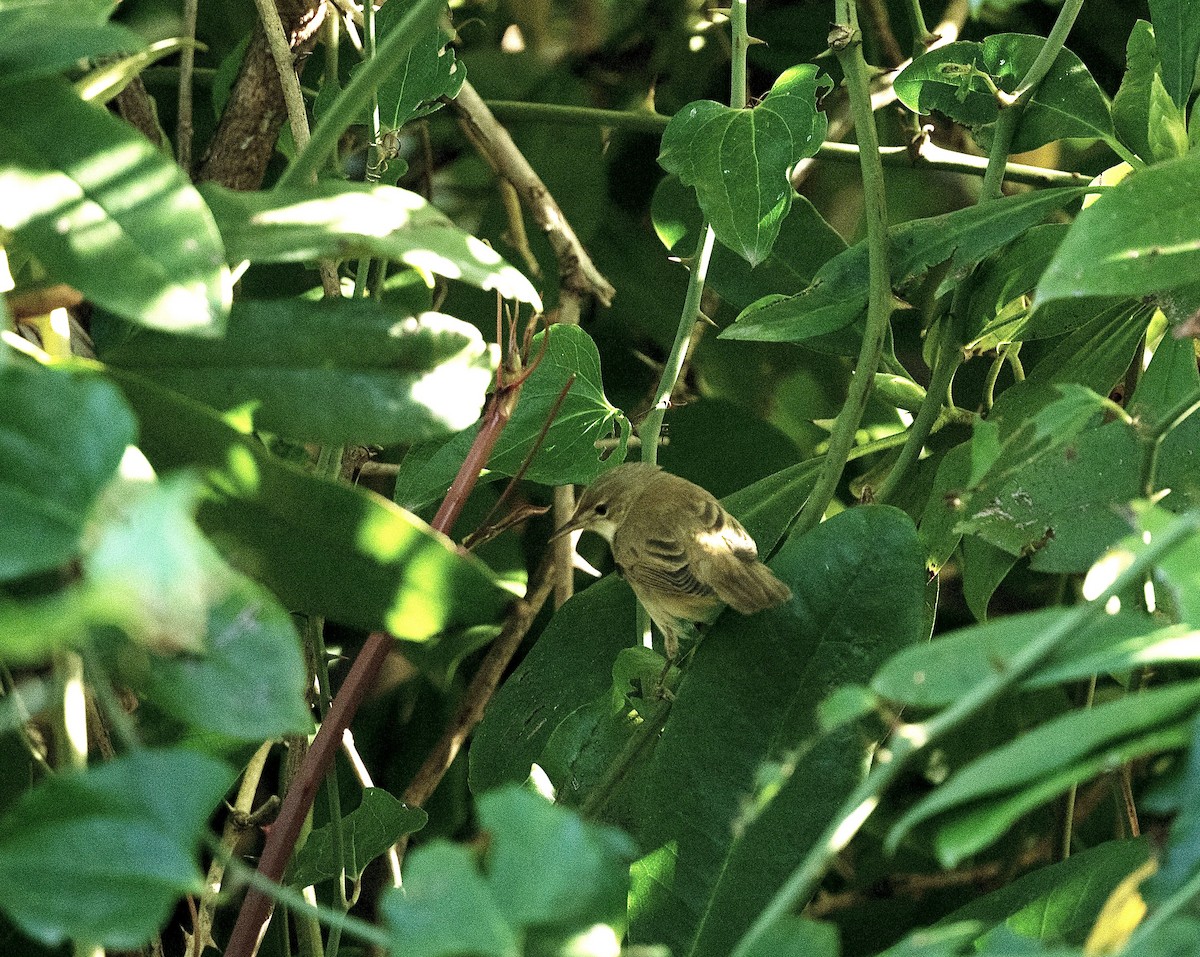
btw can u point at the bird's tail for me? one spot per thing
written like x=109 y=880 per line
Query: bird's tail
x=750 y=587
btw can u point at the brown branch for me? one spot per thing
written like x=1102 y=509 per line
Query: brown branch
x=239 y=152
x=575 y=268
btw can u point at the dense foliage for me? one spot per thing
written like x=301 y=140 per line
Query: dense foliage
x=301 y=355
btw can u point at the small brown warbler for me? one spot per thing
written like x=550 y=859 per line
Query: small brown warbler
x=681 y=552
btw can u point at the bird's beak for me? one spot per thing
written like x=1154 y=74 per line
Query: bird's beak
x=573 y=524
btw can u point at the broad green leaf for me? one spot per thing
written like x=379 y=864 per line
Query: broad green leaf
x=568 y=453
x=1131 y=105
x=39 y=39
x=428 y=70
x=306 y=538
x=939 y=673
x=1167 y=129
x=806 y=242
x=206 y=644
x=550 y=878
x=1140 y=237
x=1178 y=32
x=101 y=856
x=61 y=439
x=838 y=294
x=1014 y=505
x=102 y=196
x=858 y=596
x=1067 y=103
x=1056 y=904
x=984 y=568
x=739 y=160
x=969 y=829
x=367 y=832
x=446 y=908
x=1034 y=760
x=793 y=936
x=547 y=866
x=336 y=371
x=1181 y=856
x=938 y=523
x=1180 y=569
x=572 y=662
x=347 y=220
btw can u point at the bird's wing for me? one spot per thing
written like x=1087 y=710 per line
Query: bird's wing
x=661 y=564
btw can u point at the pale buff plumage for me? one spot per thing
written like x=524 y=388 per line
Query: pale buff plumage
x=681 y=552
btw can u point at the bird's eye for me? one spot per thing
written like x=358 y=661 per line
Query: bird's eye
x=601 y=510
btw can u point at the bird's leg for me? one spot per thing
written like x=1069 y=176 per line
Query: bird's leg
x=671 y=651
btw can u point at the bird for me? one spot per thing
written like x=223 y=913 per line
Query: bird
x=681 y=552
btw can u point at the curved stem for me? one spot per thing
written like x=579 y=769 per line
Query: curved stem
x=847 y=45
x=1050 y=49
x=949 y=357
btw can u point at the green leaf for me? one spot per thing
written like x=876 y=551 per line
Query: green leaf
x=428 y=71
x=1140 y=237
x=1035 y=760
x=336 y=371
x=115 y=843
x=1131 y=105
x=572 y=661
x=1178 y=33
x=739 y=160
x=305 y=538
x=858 y=596
x=1066 y=103
x=1180 y=569
x=103 y=195
x=806 y=242
x=349 y=220
x=938 y=674
x=105 y=83
x=793 y=936
x=1059 y=903
x=550 y=877
x=38 y=39
x=446 y=908
x=568 y=453
x=367 y=832
x=547 y=866
x=838 y=294
x=61 y=439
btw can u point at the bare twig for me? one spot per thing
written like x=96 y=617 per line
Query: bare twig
x=576 y=270
x=187 y=61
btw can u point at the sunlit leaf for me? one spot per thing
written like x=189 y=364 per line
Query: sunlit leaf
x=102 y=196
x=347 y=220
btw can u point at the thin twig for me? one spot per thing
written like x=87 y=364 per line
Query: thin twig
x=576 y=270
x=187 y=61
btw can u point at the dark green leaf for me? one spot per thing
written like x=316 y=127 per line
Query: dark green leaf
x=336 y=371
x=61 y=439
x=50 y=36
x=347 y=220
x=102 y=856
x=305 y=538
x=1131 y=105
x=1178 y=32
x=547 y=866
x=806 y=242
x=938 y=674
x=1059 y=903
x=716 y=858
x=104 y=196
x=567 y=455
x=1041 y=762
x=739 y=160
x=1140 y=237
x=838 y=294
x=446 y=908
x=428 y=70
x=367 y=832
x=793 y=936
x=1066 y=103
x=1180 y=569
x=984 y=568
